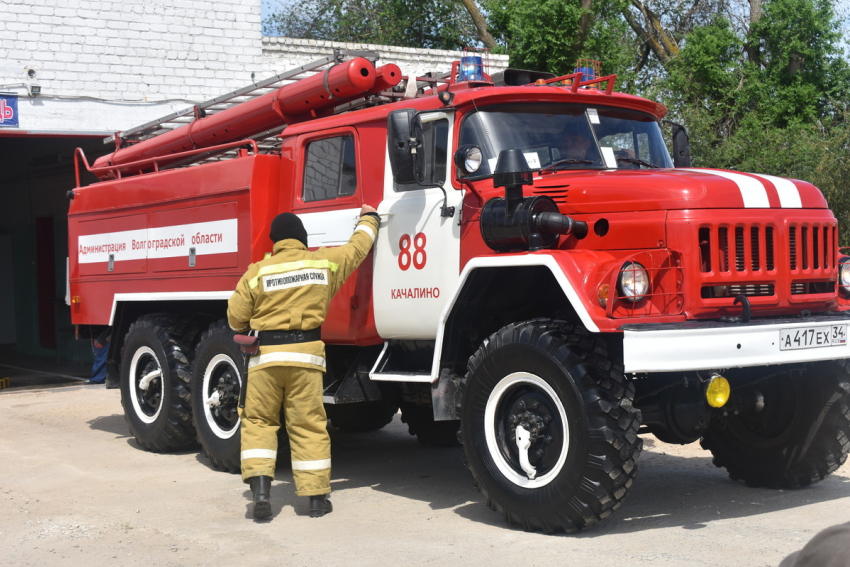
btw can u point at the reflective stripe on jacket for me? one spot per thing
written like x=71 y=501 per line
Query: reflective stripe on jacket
x=292 y=290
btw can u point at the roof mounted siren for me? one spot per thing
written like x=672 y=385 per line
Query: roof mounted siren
x=589 y=68
x=473 y=66
x=522 y=223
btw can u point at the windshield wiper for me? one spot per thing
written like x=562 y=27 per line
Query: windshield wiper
x=565 y=161
x=637 y=162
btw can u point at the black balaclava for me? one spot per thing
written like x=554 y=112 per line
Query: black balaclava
x=287 y=225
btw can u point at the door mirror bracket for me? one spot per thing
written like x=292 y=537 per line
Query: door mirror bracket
x=406 y=145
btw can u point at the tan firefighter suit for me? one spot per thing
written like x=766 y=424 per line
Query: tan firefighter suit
x=291 y=290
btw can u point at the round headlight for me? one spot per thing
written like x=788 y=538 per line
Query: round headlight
x=468 y=158
x=844 y=274
x=633 y=282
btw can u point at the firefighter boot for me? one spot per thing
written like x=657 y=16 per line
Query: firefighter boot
x=260 y=486
x=320 y=505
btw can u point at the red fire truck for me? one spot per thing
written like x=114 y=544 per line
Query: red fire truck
x=546 y=285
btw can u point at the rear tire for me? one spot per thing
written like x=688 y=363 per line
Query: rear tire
x=363 y=416
x=575 y=406
x=218 y=377
x=802 y=434
x=155 y=375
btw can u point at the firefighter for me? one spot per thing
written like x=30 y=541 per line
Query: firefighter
x=285 y=299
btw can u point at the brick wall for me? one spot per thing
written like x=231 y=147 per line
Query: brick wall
x=135 y=50
x=105 y=66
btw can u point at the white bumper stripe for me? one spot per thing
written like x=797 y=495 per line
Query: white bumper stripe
x=710 y=348
x=752 y=190
x=286 y=357
x=789 y=195
x=259 y=454
x=311 y=465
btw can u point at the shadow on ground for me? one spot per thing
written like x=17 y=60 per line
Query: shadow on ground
x=115 y=424
x=670 y=490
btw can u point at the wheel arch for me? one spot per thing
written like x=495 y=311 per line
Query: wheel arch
x=490 y=294
x=128 y=307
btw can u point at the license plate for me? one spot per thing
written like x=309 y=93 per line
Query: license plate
x=813 y=337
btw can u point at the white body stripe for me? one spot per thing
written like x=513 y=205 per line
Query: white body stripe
x=494 y=261
x=215 y=237
x=329 y=228
x=311 y=465
x=286 y=357
x=167 y=296
x=295 y=278
x=789 y=195
x=259 y=454
x=368 y=230
x=752 y=190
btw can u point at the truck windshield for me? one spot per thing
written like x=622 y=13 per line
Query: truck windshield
x=566 y=136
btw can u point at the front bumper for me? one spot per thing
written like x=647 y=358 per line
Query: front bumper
x=712 y=345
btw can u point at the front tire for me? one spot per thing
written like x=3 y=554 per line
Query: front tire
x=218 y=379
x=574 y=406
x=155 y=375
x=800 y=435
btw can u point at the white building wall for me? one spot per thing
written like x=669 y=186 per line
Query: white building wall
x=106 y=66
x=281 y=53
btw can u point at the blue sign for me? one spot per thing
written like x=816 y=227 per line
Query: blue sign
x=8 y=110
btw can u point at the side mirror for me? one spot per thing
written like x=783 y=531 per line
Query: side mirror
x=681 y=145
x=405 y=144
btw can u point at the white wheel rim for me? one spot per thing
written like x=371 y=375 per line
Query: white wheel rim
x=490 y=412
x=208 y=375
x=134 y=395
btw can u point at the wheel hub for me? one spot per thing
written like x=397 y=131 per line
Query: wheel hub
x=150 y=387
x=529 y=433
x=528 y=414
x=221 y=387
x=226 y=393
x=534 y=417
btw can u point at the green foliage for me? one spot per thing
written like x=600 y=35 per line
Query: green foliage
x=800 y=60
x=434 y=24
x=543 y=35
x=772 y=101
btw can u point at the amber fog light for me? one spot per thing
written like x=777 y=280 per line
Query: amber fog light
x=602 y=294
x=717 y=391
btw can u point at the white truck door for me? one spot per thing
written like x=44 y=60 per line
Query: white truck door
x=417 y=257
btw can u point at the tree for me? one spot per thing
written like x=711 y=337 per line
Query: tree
x=435 y=24
x=771 y=96
x=550 y=35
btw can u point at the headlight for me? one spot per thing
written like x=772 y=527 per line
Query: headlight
x=844 y=274
x=468 y=158
x=633 y=282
